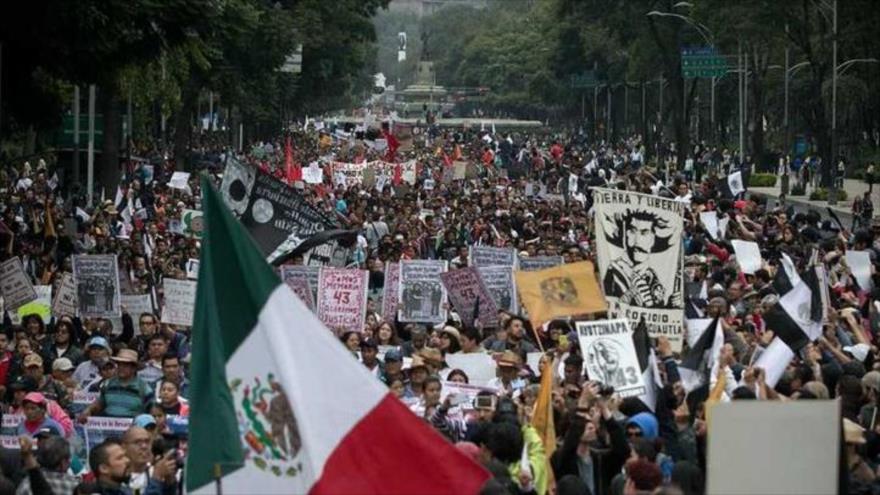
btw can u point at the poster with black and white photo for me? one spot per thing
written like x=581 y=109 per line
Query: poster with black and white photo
x=299 y=282
x=638 y=248
x=97 y=285
x=390 y=291
x=275 y=214
x=501 y=285
x=15 y=286
x=421 y=295
x=535 y=263
x=610 y=356
x=491 y=256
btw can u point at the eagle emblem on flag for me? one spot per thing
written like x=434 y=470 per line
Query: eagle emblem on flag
x=268 y=428
x=559 y=290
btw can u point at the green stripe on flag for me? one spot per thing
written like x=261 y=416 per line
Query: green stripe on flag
x=234 y=284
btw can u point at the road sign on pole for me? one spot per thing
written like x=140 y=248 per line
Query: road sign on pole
x=702 y=62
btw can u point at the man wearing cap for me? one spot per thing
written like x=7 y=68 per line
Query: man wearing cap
x=33 y=367
x=35 y=419
x=418 y=373
x=508 y=381
x=123 y=396
x=62 y=372
x=97 y=350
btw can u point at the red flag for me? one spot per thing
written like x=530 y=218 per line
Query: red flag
x=398 y=174
x=447 y=161
x=393 y=144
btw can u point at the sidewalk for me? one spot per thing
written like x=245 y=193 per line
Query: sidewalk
x=852 y=187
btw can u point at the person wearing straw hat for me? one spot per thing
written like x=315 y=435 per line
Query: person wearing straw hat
x=508 y=382
x=123 y=396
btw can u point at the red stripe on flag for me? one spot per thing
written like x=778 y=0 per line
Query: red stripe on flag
x=392 y=451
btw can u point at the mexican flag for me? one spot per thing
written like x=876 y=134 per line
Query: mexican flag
x=279 y=406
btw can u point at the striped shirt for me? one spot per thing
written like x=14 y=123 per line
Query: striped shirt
x=125 y=400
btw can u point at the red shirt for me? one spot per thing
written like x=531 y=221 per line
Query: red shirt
x=5 y=361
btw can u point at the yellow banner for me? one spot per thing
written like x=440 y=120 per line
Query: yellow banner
x=563 y=290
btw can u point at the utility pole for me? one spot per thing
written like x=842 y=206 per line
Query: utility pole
x=740 y=93
x=832 y=197
x=76 y=113
x=90 y=171
x=785 y=110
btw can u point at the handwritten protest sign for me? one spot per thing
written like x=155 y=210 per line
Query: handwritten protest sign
x=309 y=273
x=15 y=285
x=466 y=289
x=179 y=180
x=422 y=297
x=491 y=256
x=342 y=298
x=64 y=302
x=97 y=285
x=390 y=291
x=535 y=263
x=500 y=283
x=610 y=355
x=298 y=281
x=180 y=301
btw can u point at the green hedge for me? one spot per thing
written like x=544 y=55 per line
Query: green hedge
x=798 y=190
x=762 y=180
x=821 y=194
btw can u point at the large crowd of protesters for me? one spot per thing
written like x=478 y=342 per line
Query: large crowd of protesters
x=518 y=196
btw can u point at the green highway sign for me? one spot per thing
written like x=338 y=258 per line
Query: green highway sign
x=586 y=79
x=703 y=62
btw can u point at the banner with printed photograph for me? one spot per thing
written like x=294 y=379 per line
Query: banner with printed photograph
x=422 y=297
x=64 y=302
x=639 y=251
x=501 y=285
x=308 y=273
x=97 y=285
x=342 y=298
x=610 y=356
x=466 y=291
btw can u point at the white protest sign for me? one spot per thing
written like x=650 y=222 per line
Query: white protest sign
x=408 y=172
x=180 y=301
x=758 y=447
x=15 y=285
x=421 y=294
x=179 y=180
x=64 y=302
x=500 y=283
x=479 y=366
x=491 y=256
x=860 y=264
x=192 y=268
x=465 y=390
x=748 y=255
x=137 y=304
x=342 y=298
x=313 y=174
x=709 y=219
x=610 y=356
x=429 y=184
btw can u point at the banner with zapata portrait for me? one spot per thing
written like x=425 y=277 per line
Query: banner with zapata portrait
x=639 y=252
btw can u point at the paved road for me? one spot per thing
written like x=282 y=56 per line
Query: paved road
x=843 y=209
